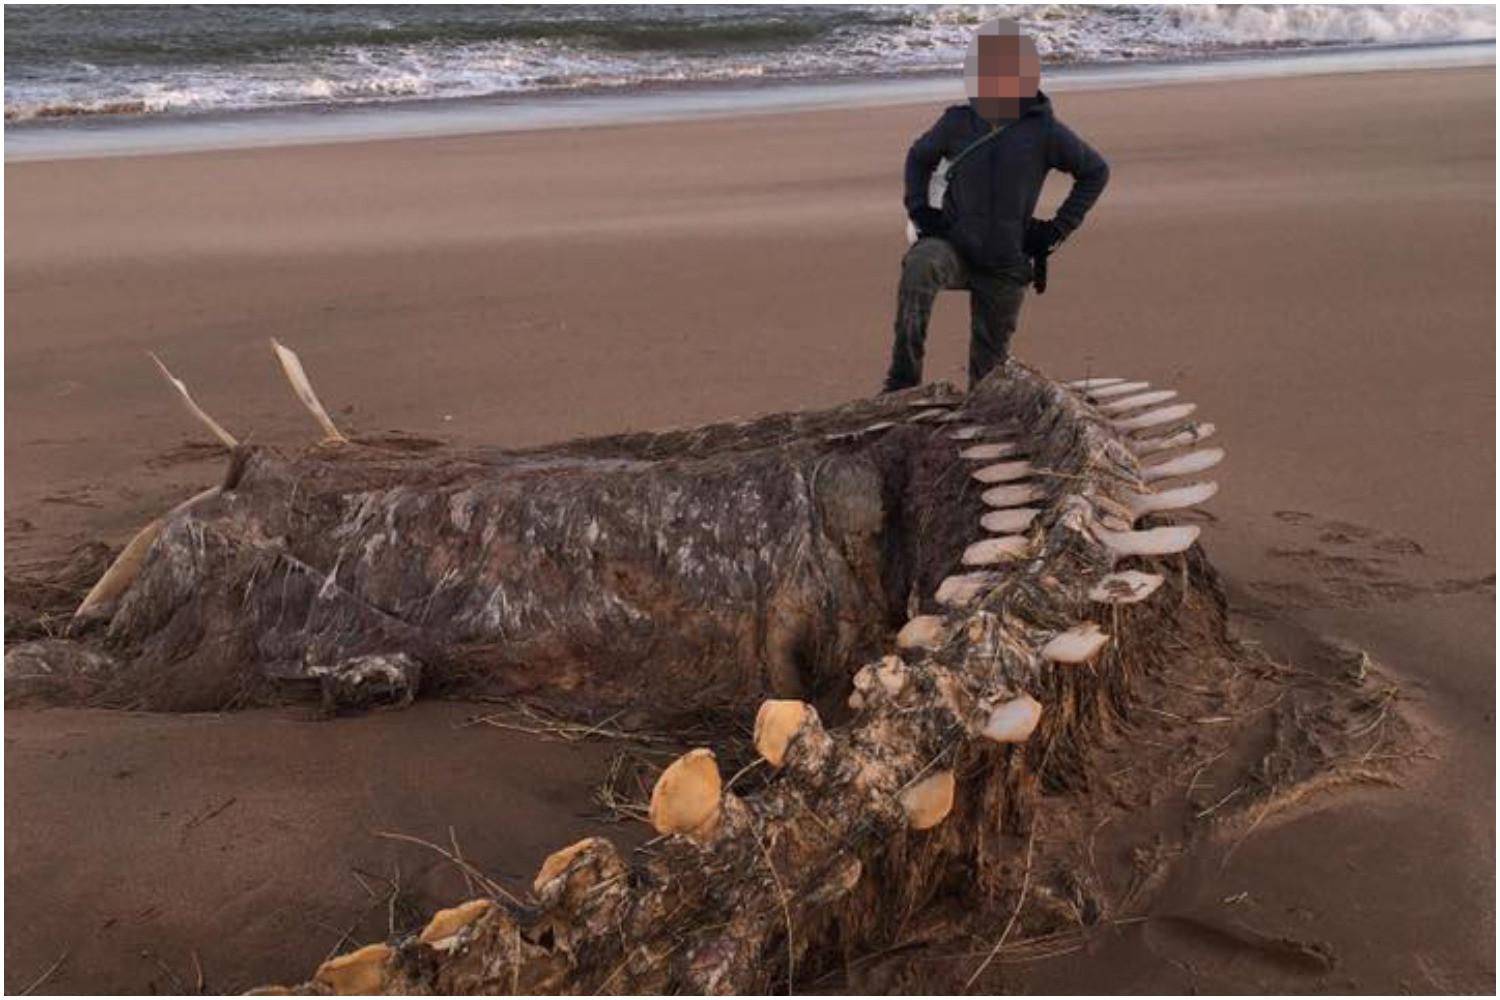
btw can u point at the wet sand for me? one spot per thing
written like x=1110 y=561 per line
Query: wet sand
x=1312 y=260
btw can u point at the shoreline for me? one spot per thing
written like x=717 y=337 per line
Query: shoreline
x=102 y=136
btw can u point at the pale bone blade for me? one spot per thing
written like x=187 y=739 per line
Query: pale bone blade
x=558 y=861
x=1137 y=401
x=291 y=365
x=121 y=573
x=1076 y=645
x=929 y=801
x=1005 y=522
x=777 y=724
x=922 y=632
x=923 y=416
x=1181 y=498
x=1155 y=418
x=953 y=416
x=964 y=589
x=359 y=973
x=1184 y=465
x=1151 y=542
x=967 y=433
x=918 y=404
x=225 y=438
x=1004 y=472
x=1092 y=383
x=996 y=551
x=989 y=452
x=1129 y=587
x=1122 y=389
x=686 y=797
x=445 y=924
x=1191 y=434
x=1012 y=721
x=1012 y=496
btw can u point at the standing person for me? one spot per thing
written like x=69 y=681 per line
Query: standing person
x=999 y=147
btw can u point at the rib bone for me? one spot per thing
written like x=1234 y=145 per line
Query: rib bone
x=1092 y=383
x=1012 y=496
x=1151 y=542
x=1012 y=721
x=1155 y=418
x=1137 y=401
x=687 y=796
x=962 y=590
x=1077 y=645
x=225 y=438
x=1179 y=499
x=989 y=452
x=1191 y=434
x=1184 y=465
x=291 y=365
x=1121 y=389
x=922 y=632
x=1004 y=472
x=1006 y=522
x=994 y=551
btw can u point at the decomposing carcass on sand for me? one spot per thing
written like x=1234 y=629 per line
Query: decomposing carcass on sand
x=936 y=610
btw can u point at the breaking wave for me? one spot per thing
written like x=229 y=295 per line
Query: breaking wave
x=70 y=61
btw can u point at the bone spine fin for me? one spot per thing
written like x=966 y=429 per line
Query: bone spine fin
x=214 y=427
x=291 y=366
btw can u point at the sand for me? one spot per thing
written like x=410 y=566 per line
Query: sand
x=1310 y=259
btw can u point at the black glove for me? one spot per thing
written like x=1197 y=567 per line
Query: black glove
x=1042 y=237
x=929 y=221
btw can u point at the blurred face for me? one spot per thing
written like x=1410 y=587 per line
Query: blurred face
x=1001 y=70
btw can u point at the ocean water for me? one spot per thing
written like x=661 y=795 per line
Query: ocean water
x=63 y=61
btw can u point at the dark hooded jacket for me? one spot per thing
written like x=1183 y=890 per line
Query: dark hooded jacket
x=994 y=191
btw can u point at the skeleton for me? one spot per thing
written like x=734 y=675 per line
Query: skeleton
x=976 y=577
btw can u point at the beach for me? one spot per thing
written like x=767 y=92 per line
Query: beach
x=1310 y=259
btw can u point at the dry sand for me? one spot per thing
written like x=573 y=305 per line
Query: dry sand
x=1311 y=259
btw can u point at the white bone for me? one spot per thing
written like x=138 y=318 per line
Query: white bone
x=121 y=573
x=967 y=433
x=953 y=416
x=1006 y=522
x=962 y=590
x=922 y=632
x=291 y=365
x=988 y=452
x=1129 y=587
x=1179 y=499
x=1151 y=542
x=994 y=551
x=1005 y=472
x=1013 y=721
x=922 y=416
x=918 y=404
x=1076 y=645
x=1184 y=465
x=1092 y=383
x=1012 y=496
x=1123 y=389
x=1191 y=434
x=225 y=438
x=1137 y=401
x=1155 y=418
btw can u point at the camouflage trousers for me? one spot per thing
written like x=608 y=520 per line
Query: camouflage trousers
x=931 y=265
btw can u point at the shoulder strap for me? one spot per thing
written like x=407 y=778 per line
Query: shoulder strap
x=983 y=140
